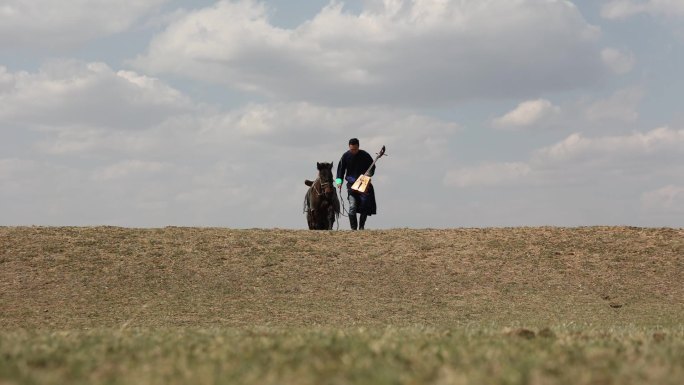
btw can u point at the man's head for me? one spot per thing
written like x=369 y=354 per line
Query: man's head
x=353 y=146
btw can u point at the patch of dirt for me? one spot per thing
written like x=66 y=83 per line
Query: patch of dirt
x=521 y=332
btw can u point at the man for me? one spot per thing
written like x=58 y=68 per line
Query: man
x=354 y=163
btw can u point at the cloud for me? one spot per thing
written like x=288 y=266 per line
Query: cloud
x=529 y=113
x=622 y=106
x=613 y=149
x=11 y=169
x=77 y=94
x=580 y=180
x=622 y=9
x=612 y=112
x=127 y=168
x=96 y=145
x=582 y=158
x=43 y=24
x=393 y=52
x=91 y=107
x=618 y=61
x=297 y=124
x=488 y=174
x=669 y=198
x=6 y=79
x=239 y=168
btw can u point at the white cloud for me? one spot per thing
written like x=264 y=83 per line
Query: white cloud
x=612 y=180
x=618 y=61
x=89 y=108
x=669 y=198
x=416 y=52
x=127 y=168
x=46 y=24
x=76 y=94
x=294 y=124
x=6 y=79
x=488 y=174
x=211 y=168
x=611 y=113
x=11 y=168
x=622 y=106
x=622 y=9
x=614 y=149
x=529 y=113
x=583 y=158
x=95 y=145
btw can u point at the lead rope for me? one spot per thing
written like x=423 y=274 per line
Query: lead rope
x=344 y=209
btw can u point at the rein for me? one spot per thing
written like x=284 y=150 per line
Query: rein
x=344 y=209
x=320 y=184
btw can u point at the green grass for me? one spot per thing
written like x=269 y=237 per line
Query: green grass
x=465 y=355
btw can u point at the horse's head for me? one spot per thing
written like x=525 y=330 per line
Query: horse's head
x=326 y=177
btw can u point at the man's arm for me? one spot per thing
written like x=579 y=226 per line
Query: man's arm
x=341 y=168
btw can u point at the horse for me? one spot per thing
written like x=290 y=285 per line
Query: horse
x=321 y=204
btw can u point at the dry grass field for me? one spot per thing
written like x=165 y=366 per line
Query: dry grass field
x=595 y=305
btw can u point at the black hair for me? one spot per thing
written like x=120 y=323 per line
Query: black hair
x=354 y=142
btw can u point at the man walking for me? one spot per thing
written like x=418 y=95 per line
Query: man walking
x=354 y=163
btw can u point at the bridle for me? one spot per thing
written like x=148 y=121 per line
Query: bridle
x=325 y=187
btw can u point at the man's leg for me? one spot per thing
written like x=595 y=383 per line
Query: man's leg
x=361 y=208
x=353 y=204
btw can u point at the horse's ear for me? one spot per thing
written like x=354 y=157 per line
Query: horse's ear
x=331 y=164
x=318 y=165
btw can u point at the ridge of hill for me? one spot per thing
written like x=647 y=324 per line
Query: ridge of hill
x=85 y=277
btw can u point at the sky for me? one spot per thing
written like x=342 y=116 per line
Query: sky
x=153 y=113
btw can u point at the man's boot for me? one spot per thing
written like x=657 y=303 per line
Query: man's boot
x=352 y=221
x=362 y=221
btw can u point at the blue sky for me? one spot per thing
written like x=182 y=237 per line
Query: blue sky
x=212 y=113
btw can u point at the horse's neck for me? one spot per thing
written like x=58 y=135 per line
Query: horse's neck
x=317 y=184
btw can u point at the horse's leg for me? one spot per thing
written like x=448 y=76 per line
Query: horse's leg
x=320 y=221
x=331 y=217
x=311 y=220
x=322 y=215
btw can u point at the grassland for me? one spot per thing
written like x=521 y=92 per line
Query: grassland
x=596 y=305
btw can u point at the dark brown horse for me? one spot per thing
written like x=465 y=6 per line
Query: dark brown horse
x=320 y=203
